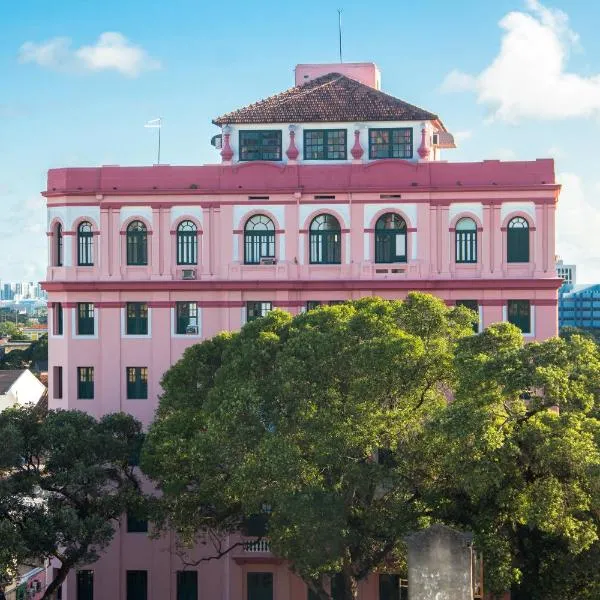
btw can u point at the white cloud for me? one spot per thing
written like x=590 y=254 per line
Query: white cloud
x=112 y=51
x=528 y=77
x=461 y=136
x=577 y=225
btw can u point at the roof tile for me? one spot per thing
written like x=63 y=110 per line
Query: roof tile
x=330 y=98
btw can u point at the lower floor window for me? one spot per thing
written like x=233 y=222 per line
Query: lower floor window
x=137 y=585
x=255 y=310
x=187 y=318
x=260 y=586
x=392 y=587
x=474 y=306
x=85 y=383
x=187 y=585
x=85 y=585
x=519 y=314
x=137 y=383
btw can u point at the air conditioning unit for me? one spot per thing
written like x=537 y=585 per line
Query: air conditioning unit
x=435 y=139
x=268 y=260
x=188 y=274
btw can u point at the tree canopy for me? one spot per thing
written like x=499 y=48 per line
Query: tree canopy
x=350 y=426
x=65 y=480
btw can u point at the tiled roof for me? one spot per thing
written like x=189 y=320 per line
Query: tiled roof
x=330 y=98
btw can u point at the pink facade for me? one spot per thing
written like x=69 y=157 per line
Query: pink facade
x=433 y=202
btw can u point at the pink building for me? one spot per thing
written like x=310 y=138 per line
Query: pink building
x=331 y=190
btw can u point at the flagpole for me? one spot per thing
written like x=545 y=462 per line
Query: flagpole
x=159 y=128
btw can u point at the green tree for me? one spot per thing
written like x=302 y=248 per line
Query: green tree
x=521 y=448
x=320 y=417
x=65 y=480
x=12 y=331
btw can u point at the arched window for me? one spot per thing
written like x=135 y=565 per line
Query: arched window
x=466 y=241
x=137 y=244
x=325 y=240
x=390 y=239
x=517 y=241
x=85 y=244
x=259 y=239
x=187 y=243
x=58 y=245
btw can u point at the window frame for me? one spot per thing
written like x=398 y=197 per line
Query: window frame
x=179 y=318
x=85 y=383
x=325 y=144
x=266 y=575
x=136 y=244
x=58 y=245
x=137 y=386
x=518 y=241
x=85 y=244
x=465 y=243
x=57 y=382
x=137 y=318
x=517 y=320
x=323 y=247
x=254 y=239
x=243 y=133
x=373 y=131
x=388 y=238
x=85 y=584
x=136 y=524
x=136 y=577
x=187 y=243
x=86 y=318
x=181 y=583
x=264 y=311
x=58 y=321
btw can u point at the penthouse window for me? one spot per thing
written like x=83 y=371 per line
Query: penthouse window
x=325 y=240
x=187 y=243
x=466 y=241
x=85 y=244
x=260 y=145
x=325 y=144
x=259 y=239
x=390 y=239
x=391 y=143
x=137 y=243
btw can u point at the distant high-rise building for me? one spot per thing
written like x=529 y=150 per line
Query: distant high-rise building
x=568 y=273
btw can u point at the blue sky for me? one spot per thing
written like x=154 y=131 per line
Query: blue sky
x=513 y=79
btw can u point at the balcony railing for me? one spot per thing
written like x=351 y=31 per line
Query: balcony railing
x=257 y=546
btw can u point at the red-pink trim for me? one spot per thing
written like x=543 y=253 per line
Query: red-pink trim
x=303 y=231
x=50 y=233
x=257 y=560
x=305 y=284
x=148 y=232
x=411 y=230
x=174 y=232
x=69 y=233
x=544 y=302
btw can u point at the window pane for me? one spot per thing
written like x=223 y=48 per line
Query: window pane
x=85 y=585
x=187 y=318
x=325 y=144
x=135 y=524
x=137 y=318
x=137 y=244
x=519 y=314
x=390 y=143
x=255 y=310
x=85 y=318
x=187 y=243
x=137 y=585
x=85 y=383
x=137 y=383
x=260 y=586
x=260 y=145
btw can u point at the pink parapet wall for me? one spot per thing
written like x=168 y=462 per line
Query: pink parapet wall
x=366 y=73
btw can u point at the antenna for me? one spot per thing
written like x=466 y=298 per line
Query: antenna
x=340 y=31
x=155 y=124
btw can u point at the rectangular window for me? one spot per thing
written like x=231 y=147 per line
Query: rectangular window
x=137 y=383
x=338 y=587
x=260 y=145
x=325 y=144
x=255 y=310
x=187 y=585
x=85 y=585
x=471 y=305
x=136 y=525
x=392 y=587
x=187 y=318
x=85 y=383
x=137 y=585
x=57 y=382
x=391 y=143
x=260 y=586
x=58 y=318
x=85 y=318
x=137 y=318
x=519 y=314
x=312 y=304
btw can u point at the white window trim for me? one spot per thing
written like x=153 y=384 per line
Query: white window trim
x=124 y=333
x=74 y=324
x=52 y=323
x=174 y=333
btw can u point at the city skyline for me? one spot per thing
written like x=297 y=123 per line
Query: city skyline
x=119 y=69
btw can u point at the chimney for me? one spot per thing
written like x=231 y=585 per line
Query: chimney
x=367 y=73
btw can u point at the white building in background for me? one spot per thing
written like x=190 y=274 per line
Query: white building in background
x=568 y=273
x=19 y=387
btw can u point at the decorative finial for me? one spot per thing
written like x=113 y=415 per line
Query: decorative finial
x=357 y=150
x=226 y=151
x=292 y=152
x=424 y=149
